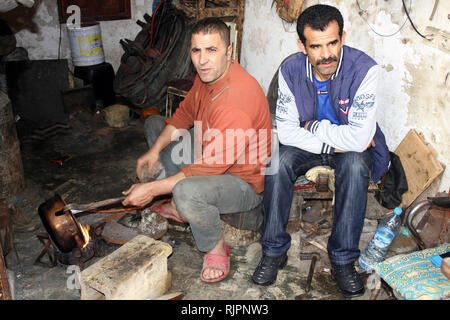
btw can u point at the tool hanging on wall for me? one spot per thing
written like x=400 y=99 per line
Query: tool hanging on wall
x=434 y=9
x=289 y=10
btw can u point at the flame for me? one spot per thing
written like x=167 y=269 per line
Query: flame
x=85 y=231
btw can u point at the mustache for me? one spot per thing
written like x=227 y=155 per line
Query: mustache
x=327 y=60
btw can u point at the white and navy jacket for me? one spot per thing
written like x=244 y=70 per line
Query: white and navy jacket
x=352 y=94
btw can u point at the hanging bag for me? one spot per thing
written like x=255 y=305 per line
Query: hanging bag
x=289 y=10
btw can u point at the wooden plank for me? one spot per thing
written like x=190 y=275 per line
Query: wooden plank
x=5 y=292
x=420 y=164
x=189 y=11
x=220 y=12
x=223 y=3
x=240 y=28
x=314 y=194
x=231 y=9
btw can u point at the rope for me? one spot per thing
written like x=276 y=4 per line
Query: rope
x=151 y=29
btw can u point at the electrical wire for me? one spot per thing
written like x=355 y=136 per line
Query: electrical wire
x=151 y=29
x=59 y=45
x=407 y=14
x=361 y=10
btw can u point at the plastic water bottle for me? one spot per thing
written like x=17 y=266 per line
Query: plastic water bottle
x=379 y=245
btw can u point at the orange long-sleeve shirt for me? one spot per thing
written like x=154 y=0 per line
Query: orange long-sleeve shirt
x=233 y=118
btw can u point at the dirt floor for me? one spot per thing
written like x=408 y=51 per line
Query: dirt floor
x=98 y=162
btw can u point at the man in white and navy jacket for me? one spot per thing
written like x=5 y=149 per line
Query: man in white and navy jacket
x=326 y=115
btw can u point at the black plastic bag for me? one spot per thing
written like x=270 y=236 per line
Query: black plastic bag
x=395 y=184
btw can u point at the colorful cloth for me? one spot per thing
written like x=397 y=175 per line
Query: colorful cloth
x=414 y=276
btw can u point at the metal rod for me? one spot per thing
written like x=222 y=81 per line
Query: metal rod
x=312 y=266
x=90 y=206
x=4 y=281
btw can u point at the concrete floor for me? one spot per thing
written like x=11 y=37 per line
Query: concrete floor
x=98 y=162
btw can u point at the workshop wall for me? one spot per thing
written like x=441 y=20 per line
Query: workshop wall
x=43 y=42
x=414 y=91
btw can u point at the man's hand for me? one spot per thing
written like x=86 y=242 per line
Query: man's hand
x=151 y=157
x=141 y=194
x=307 y=124
x=372 y=144
x=138 y=195
x=146 y=163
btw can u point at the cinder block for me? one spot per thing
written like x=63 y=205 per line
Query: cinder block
x=135 y=271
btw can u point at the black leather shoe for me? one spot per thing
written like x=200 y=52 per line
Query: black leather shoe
x=348 y=280
x=267 y=269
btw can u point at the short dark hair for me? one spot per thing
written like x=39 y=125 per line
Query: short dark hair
x=318 y=17
x=212 y=25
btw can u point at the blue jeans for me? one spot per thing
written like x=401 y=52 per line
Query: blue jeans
x=153 y=127
x=201 y=200
x=351 y=184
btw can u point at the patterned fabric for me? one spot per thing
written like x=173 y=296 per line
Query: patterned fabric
x=414 y=276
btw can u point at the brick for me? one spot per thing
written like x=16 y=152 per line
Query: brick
x=135 y=271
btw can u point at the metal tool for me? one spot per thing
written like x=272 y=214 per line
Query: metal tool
x=443 y=202
x=75 y=208
x=63 y=229
x=313 y=256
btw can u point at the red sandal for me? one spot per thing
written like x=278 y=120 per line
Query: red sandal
x=218 y=262
x=159 y=209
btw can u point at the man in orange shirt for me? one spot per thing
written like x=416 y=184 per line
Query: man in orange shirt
x=232 y=124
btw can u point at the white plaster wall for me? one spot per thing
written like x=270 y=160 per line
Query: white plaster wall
x=44 y=43
x=414 y=91
x=415 y=81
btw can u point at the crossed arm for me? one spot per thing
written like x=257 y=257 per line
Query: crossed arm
x=322 y=136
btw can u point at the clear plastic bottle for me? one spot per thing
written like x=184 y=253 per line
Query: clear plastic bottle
x=379 y=245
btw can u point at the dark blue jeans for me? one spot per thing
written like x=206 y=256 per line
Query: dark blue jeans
x=351 y=184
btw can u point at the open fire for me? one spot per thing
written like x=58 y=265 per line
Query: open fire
x=84 y=250
x=73 y=243
x=85 y=231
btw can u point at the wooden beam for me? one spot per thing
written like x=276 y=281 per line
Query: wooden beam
x=229 y=9
x=4 y=283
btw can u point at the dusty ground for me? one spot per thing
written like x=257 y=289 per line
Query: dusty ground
x=98 y=162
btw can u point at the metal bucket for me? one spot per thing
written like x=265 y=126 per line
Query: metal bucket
x=86 y=45
x=12 y=180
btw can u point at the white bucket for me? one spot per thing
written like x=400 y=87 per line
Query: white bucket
x=86 y=45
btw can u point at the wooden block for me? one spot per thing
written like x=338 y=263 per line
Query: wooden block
x=419 y=162
x=137 y=271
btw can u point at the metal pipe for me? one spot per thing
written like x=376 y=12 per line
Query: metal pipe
x=410 y=217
